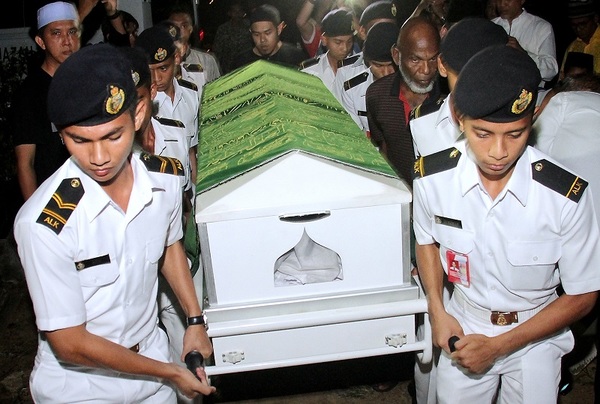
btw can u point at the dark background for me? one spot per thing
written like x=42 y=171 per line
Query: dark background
x=211 y=15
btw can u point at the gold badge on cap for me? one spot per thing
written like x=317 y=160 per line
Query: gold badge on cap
x=160 y=55
x=115 y=100
x=394 y=11
x=172 y=31
x=521 y=103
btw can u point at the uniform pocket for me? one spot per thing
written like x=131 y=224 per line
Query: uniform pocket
x=99 y=275
x=532 y=263
x=452 y=238
x=154 y=250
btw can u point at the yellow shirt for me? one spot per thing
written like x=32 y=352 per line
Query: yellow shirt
x=592 y=48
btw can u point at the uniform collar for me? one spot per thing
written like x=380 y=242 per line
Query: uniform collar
x=444 y=115
x=468 y=174
x=162 y=97
x=95 y=200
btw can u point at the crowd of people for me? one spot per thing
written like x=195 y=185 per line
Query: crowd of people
x=467 y=100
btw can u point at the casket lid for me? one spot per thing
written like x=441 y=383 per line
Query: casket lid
x=264 y=111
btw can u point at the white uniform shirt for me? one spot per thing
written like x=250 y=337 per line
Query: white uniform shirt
x=322 y=69
x=170 y=141
x=514 y=242
x=345 y=73
x=184 y=108
x=353 y=100
x=115 y=296
x=434 y=132
x=536 y=36
x=567 y=130
x=200 y=68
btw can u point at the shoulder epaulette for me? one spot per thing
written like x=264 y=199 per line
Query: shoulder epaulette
x=356 y=80
x=169 y=122
x=63 y=202
x=436 y=162
x=309 y=62
x=160 y=164
x=426 y=109
x=187 y=84
x=348 y=61
x=558 y=179
x=193 y=67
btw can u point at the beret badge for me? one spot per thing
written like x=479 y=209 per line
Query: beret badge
x=115 y=100
x=394 y=11
x=160 y=55
x=136 y=77
x=521 y=103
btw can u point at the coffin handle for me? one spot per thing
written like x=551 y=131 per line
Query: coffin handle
x=305 y=217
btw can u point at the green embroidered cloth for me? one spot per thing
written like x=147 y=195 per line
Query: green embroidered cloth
x=263 y=111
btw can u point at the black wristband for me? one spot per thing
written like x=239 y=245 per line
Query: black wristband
x=198 y=320
x=114 y=16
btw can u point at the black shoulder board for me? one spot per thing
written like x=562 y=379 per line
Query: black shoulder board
x=348 y=61
x=309 y=62
x=558 y=179
x=426 y=109
x=169 y=122
x=436 y=162
x=356 y=80
x=187 y=84
x=160 y=164
x=193 y=67
x=63 y=202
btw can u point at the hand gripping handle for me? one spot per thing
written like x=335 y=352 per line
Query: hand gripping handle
x=193 y=361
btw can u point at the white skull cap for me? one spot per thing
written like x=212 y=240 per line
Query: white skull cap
x=57 y=11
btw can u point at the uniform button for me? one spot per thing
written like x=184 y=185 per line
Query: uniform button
x=535 y=258
x=129 y=261
x=490 y=253
x=493 y=288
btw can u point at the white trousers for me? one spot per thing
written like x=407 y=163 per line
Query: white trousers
x=530 y=375
x=426 y=373
x=174 y=319
x=53 y=382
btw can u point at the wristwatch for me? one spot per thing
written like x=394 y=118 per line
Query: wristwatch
x=197 y=320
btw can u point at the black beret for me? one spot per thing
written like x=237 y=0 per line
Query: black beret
x=579 y=59
x=378 y=10
x=93 y=86
x=337 y=22
x=265 y=12
x=581 y=8
x=172 y=29
x=380 y=39
x=498 y=84
x=139 y=64
x=459 y=9
x=467 y=37
x=158 y=43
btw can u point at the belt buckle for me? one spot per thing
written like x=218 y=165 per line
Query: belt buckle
x=504 y=318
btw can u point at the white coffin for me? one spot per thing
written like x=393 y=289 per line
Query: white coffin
x=247 y=223
x=314 y=330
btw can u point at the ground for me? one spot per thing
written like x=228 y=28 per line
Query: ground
x=337 y=382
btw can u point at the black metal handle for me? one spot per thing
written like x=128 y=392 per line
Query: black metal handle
x=193 y=361
x=451 y=341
